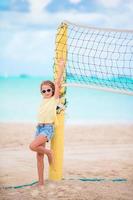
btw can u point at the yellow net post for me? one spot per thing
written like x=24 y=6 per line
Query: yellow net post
x=57 y=142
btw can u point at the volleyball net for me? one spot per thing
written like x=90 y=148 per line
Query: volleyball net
x=97 y=58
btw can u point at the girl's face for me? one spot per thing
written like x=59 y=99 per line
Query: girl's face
x=46 y=91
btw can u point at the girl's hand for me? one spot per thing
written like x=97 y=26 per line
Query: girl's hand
x=57 y=83
x=61 y=63
x=61 y=67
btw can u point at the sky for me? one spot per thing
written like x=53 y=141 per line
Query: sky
x=28 y=29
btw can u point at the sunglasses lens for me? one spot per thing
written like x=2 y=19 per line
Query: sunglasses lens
x=48 y=90
x=43 y=91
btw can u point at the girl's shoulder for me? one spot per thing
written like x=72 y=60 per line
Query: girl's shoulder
x=53 y=99
x=56 y=99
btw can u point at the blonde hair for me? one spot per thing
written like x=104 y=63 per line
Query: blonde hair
x=50 y=83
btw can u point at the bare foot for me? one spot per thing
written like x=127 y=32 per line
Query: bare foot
x=33 y=186
x=51 y=159
x=41 y=186
x=37 y=186
x=40 y=183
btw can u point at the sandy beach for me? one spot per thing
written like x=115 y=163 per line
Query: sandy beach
x=91 y=151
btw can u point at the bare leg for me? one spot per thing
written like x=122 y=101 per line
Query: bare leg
x=40 y=168
x=48 y=152
x=36 y=145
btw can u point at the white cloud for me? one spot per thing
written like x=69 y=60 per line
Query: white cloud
x=129 y=6
x=39 y=18
x=109 y=3
x=30 y=52
x=31 y=46
x=37 y=6
x=33 y=35
x=50 y=20
x=46 y=20
x=75 y=1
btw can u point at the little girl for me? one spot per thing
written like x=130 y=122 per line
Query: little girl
x=46 y=118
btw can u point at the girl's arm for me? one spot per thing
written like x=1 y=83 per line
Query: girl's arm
x=59 y=78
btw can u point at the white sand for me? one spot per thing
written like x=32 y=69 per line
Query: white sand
x=94 y=151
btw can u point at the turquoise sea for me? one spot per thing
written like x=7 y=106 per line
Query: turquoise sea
x=20 y=98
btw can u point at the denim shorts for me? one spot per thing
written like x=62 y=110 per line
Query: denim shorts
x=46 y=130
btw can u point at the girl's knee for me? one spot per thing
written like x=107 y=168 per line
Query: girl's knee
x=32 y=147
x=39 y=156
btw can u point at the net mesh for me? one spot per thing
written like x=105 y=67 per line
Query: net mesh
x=98 y=57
